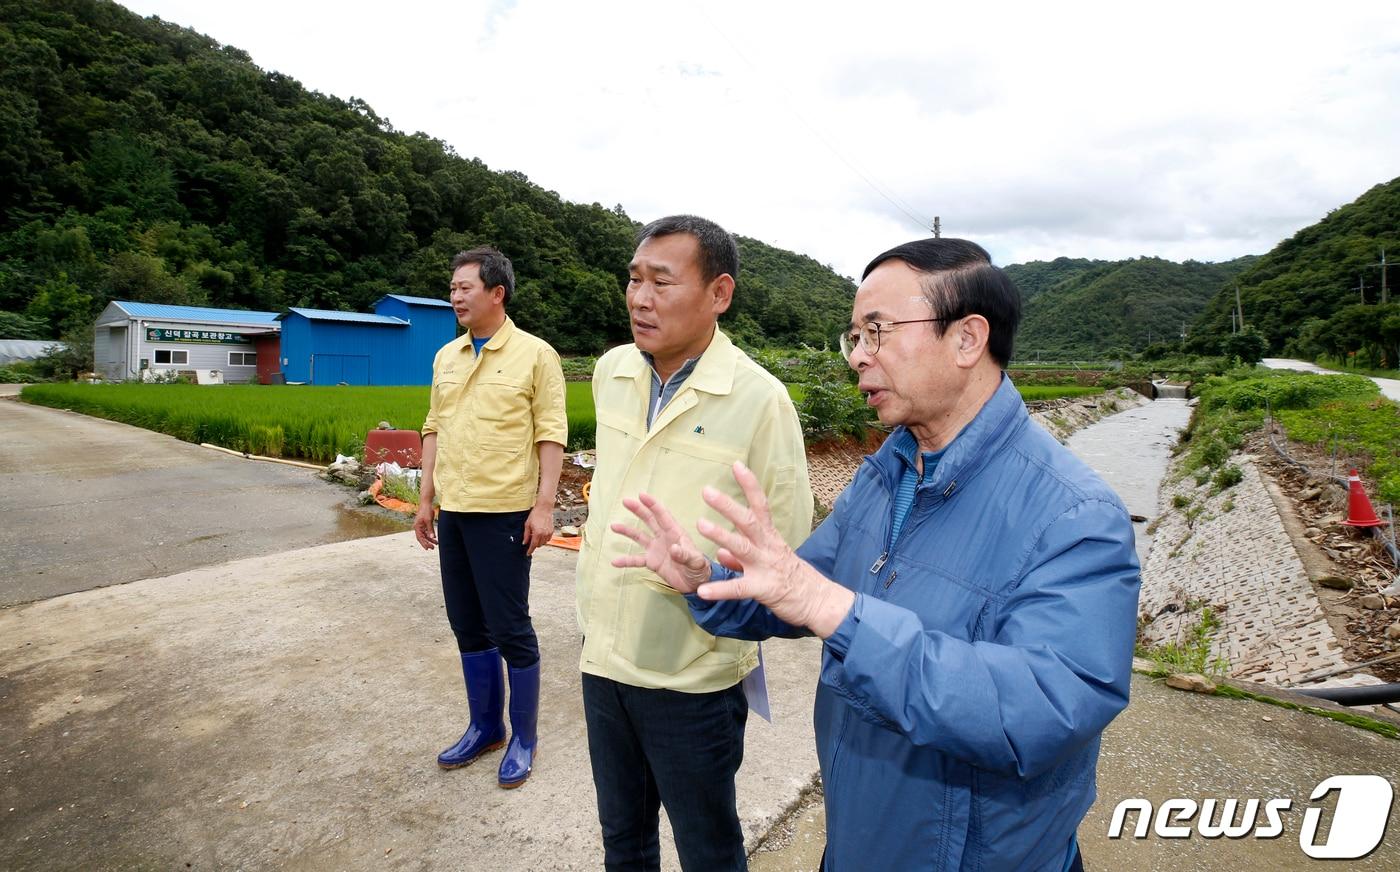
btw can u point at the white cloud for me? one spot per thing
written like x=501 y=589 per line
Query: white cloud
x=1192 y=130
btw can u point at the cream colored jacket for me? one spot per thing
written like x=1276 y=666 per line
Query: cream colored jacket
x=489 y=410
x=638 y=631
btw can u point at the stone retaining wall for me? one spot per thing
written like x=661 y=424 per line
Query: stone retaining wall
x=1229 y=551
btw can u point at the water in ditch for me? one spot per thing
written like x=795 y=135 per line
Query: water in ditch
x=1130 y=450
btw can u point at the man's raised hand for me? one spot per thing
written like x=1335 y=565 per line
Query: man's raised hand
x=666 y=549
x=773 y=574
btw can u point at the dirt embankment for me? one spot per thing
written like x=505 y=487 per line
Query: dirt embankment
x=1347 y=566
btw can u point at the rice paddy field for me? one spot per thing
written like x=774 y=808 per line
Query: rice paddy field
x=301 y=421
x=294 y=421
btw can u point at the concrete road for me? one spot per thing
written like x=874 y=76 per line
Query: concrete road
x=89 y=502
x=285 y=711
x=1171 y=744
x=1389 y=387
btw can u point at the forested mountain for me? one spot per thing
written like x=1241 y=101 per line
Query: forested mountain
x=1037 y=276
x=1305 y=295
x=143 y=161
x=1114 y=308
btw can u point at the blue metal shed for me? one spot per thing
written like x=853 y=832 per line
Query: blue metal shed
x=324 y=347
x=433 y=325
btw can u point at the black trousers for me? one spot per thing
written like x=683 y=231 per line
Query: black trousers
x=486 y=583
x=651 y=748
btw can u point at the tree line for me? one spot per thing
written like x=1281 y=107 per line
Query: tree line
x=1319 y=291
x=143 y=161
x=1082 y=308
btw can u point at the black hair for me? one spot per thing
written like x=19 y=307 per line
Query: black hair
x=494 y=267
x=719 y=253
x=958 y=279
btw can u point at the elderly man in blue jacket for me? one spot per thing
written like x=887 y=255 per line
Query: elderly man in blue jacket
x=975 y=585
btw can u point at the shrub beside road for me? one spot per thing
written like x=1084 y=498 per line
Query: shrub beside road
x=1316 y=410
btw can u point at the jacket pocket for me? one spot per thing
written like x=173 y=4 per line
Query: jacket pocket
x=505 y=418
x=655 y=630
x=447 y=396
x=497 y=474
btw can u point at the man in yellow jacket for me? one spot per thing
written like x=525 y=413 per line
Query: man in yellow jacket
x=493 y=444
x=662 y=698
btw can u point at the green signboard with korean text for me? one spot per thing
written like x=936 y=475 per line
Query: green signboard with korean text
x=164 y=334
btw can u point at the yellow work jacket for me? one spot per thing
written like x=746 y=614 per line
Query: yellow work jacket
x=637 y=630
x=489 y=410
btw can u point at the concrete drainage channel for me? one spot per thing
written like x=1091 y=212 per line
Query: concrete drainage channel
x=1165 y=390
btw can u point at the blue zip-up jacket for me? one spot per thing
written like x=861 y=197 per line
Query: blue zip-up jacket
x=961 y=700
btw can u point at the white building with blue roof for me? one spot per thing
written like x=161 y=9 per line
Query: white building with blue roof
x=141 y=340
x=393 y=346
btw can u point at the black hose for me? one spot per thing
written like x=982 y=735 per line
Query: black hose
x=1371 y=694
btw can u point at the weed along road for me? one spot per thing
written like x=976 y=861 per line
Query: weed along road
x=89 y=502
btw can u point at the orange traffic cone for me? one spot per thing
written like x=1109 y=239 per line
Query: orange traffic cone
x=1359 y=511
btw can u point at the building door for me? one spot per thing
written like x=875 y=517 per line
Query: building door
x=332 y=369
x=114 y=365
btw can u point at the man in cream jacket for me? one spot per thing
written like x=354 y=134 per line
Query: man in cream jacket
x=662 y=697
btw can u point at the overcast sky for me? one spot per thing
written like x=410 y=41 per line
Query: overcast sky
x=1191 y=130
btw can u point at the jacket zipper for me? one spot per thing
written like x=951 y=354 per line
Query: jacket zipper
x=885 y=556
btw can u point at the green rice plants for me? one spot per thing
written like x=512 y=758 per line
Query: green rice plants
x=302 y=421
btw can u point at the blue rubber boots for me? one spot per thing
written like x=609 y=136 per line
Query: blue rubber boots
x=487 y=730
x=524 y=716
x=486 y=695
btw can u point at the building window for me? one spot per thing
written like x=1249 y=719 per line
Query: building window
x=242 y=358
x=172 y=357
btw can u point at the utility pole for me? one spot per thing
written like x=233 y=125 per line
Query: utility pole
x=1361 y=286
x=1385 y=291
x=1239 y=307
x=937 y=228
x=1183 y=331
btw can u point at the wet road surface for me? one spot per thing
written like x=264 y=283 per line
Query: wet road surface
x=88 y=503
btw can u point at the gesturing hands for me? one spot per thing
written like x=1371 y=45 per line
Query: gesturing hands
x=667 y=551
x=773 y=574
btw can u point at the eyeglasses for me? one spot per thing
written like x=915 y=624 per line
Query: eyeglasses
x=869 y=334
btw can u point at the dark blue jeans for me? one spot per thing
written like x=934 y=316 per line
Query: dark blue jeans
x=661 y=747
x=486 y=583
